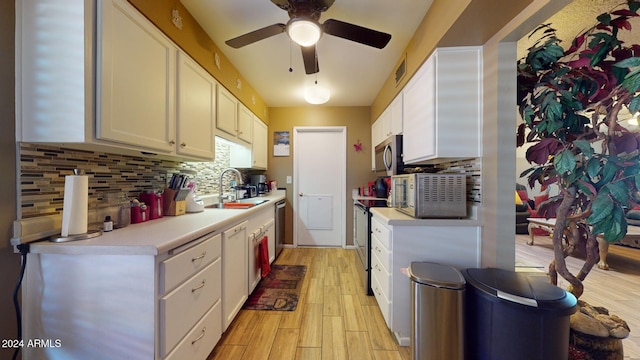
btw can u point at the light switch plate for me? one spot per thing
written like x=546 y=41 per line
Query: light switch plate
x=288 y=179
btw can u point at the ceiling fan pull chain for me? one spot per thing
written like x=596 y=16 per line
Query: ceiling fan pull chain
x=290 y=56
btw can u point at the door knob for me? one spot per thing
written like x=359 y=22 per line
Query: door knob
x=300 y=194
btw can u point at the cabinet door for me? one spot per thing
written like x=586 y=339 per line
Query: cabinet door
x=260 y=149
x=136 y=80
x=245 y=124
x=419 y=141
x=227 y=112
x=376 y=138
x=396 y=115
x=234 y=272
x=196 y=109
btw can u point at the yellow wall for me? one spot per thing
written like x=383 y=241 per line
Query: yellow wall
x=356 y=119
x=195 y=42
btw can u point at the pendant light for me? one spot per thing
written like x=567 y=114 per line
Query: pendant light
x=317 y=94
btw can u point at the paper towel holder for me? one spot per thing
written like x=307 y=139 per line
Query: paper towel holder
x=88 y=235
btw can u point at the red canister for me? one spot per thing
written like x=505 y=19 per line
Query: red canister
x=154 y=202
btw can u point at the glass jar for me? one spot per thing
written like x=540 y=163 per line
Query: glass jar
x=117 y=206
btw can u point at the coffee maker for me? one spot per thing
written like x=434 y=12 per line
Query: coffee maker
x=261 y=184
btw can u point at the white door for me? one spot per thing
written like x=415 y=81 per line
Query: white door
x=319 y=173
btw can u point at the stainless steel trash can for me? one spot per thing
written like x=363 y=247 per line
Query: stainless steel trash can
x=437 y=311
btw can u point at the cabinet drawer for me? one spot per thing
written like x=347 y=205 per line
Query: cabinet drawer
x=382 y=275
x=202 y=338
x=381 y=232
x=383 y=303
x=181 y=309
x=381 y=252
x=183 y=265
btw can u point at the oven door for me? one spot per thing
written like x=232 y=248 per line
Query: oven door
x=361 y=221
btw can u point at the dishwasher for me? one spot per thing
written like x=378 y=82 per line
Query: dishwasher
x=279 y=217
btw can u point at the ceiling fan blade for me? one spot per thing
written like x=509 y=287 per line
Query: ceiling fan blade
x=310 y=59
x=356 y=33
x=256 y=35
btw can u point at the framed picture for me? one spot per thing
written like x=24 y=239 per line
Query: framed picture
x=280 y=143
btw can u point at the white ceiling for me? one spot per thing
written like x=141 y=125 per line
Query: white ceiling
x=354 y=72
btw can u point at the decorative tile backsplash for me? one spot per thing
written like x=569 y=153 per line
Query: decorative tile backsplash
x=43 y=168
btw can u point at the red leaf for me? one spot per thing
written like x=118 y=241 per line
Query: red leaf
x=621 y=23
x=624 y=12
x=539 y=153
x=625 y=143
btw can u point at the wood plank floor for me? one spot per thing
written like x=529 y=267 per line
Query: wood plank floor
x=617 y=289
x=336 y=320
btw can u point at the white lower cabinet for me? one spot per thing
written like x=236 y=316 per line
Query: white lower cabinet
x=198 y=342
x=394 y=247
x=190 y=291
x=125 y=306
x=260 y=225
x=234 y=272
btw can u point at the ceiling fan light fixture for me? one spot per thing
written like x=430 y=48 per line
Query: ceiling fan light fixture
x=317 y=94
x=304 y=31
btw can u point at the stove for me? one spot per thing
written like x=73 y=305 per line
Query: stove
x=362 y=236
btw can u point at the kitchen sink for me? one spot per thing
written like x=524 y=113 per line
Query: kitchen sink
x=238 y=204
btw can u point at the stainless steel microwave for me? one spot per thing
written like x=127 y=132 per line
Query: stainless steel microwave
x=430 y=195
x=388 y=155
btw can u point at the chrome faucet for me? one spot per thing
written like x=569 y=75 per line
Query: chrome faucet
x=238 y=175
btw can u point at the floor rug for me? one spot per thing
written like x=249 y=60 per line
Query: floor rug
x=279 y=290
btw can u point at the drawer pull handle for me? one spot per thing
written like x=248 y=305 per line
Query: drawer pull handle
x=199 y=286
x=204 y=330
x=199 y=257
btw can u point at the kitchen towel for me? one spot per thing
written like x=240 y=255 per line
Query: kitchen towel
x=264 y=256
x=75 y=205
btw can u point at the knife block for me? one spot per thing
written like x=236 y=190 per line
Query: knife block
x=171 y=206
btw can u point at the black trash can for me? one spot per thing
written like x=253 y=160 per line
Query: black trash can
x=511 y=315
x=437 y=312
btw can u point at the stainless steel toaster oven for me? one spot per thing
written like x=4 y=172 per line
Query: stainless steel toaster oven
x=430 y=195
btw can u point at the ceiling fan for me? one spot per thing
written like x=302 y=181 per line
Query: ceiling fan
x=305 y=29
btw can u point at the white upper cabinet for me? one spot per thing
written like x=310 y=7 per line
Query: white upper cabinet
x=259 y=146
x=54 y=72
x=234 y=119
x=196 y=109
x=442 y=107
x=377 y=130
x=136 y=80
x=109 y=80
x=227 y=116
x=396 y=116
x=245 y=124
x=392 y=119
x=252 y=156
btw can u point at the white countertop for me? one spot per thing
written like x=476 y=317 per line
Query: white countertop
x=156 y=236
x=393 y=217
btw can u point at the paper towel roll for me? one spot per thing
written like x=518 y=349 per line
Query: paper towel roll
x=75 y=206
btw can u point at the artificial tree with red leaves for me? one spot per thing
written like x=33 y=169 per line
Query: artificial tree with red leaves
x=570 y=101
